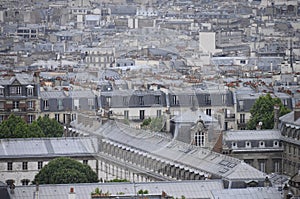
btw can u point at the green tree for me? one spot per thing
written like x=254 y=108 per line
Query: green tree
x=263 y=111
x=16 y=127
x=65 y=171
x=50 y=127
x=154 y=124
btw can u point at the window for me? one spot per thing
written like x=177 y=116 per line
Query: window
x=15 y=90
x=158 y=113
x=125 y=101
x=277 y=166
x=208 y=111
x=234 y=145
x=9 y=166
x=85 y=162
x=142 y=114
x=1 y=90
x=126 y=115
x=56 y=116
x=262 y=165
x=2 y=105
x=275 y=143
x=25 y=165
x=174 y=100
x=40 y=165
x=29 y=90
x=141 y=100
x=241 y=105
x=108 y=101
x=15 y=104
x=91 y=103
x=157 y=100
x=248 y=144
x=207 y=99
x=242 y=118
x=46 y=105
x=60 y=104
x=200 y=139
x=261 y=144
x=30 y=118
x=30 y=105
x=25 y=182
x=223 y=99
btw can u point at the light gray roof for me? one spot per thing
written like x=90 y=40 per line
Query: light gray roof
x=193 y=117
x=82 y=94
x=175 y=152
x=190 y=189
x=48 y=147
x=251 y=135
x=249 y=193
x=52 y=94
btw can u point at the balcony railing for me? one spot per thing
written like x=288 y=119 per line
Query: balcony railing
x=229 y=117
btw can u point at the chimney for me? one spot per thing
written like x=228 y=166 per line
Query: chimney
x=72 y=194
x=276 y=116
x=297 y=111
x=36 y=193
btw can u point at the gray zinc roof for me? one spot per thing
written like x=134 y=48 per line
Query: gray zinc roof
x=177 y=152
x=249 y=193
x=48 y=147
x=190 y=189
x=251 y=135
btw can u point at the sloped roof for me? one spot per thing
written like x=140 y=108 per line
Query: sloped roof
x=190 y=189
x=251 y=135
x=47 y=147
x=175 y=152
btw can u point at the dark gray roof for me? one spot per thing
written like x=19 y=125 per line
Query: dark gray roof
x=53 y=94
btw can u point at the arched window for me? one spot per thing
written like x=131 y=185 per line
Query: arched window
x=200 y=139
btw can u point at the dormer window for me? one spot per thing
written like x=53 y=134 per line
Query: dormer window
x=1 y=90
x=275 y=143
x=29 y=90
x=261 y=144
x=248 y=144
x=234 y=145
x=15 y=90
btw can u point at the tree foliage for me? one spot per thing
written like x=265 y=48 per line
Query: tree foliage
x=65 y=171
x=154 y=124
x=263 y=111
x=16 y=127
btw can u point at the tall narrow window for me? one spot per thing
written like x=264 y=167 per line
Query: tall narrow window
x=40 y=165
x=142 y=114
x=60 y=104
x=9 y=166
x=108 y=101
x=200 y=139
x=25 y=165
x=1 y=90
x=174 y=100
x=141 y=100
x=30 y=119
x=126 y=114
x=157 y=99
x=56 y=116
x=16 y=105
x=30 y=105
x=29 y=90
x=46 y=105
x=207 y=99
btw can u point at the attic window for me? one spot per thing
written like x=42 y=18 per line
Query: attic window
x=248 y=144
x=261 y=144
x=234 y=145
x=1 y=90
x=275 y=143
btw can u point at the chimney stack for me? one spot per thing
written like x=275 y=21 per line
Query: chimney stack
x=297 y=111
x=276 y=116
x=72 y=194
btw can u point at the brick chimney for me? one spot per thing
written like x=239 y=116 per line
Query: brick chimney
x=72 y=194
x=297 y=111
